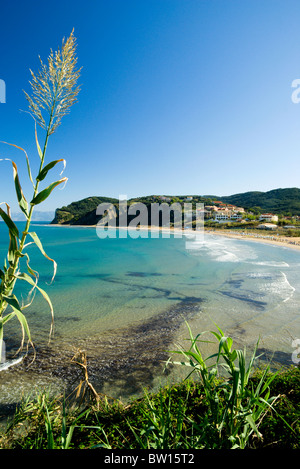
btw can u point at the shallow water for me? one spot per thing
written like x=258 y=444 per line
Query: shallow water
x=124 y=301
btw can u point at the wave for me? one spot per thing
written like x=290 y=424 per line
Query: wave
x=9 y=363
x=259 y=275
x=278 y=287
x=293 y=289
x=228 y=251
x=224 y=250
x=272 y=263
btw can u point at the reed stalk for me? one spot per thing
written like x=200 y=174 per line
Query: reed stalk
x=53 y=91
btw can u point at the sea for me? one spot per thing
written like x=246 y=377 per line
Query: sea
x=126 y=303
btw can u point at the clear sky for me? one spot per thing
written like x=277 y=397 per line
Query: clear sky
x=178 y=96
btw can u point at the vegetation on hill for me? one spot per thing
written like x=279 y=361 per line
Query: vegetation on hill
x=284 y=201
x=81 y=211
x=277 y=201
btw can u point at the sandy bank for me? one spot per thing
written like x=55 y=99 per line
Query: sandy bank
x=263 y=237
x=283 y=241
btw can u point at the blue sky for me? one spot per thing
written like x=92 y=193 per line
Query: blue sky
x=178 y=96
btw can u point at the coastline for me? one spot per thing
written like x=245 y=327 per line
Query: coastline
x=280 y=241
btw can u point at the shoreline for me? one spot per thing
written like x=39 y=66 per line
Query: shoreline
x=280 y=241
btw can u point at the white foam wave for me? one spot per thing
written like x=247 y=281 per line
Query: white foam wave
x=224 y=250
x=8 y=364
x=259 y=275
x=279 y=287
x=272 y=263
x=292 y=289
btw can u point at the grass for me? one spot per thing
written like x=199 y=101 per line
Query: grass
x=246 y=408
x=235 y=408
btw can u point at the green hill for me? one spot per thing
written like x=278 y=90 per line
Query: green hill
x=82 y=212
x=285 y=201
x=278 y=201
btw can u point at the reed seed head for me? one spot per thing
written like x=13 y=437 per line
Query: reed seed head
x=54 y=87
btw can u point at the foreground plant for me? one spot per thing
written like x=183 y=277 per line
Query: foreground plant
x=46 y=423
x=53 y=91
x=176 y=417
x=236 y=408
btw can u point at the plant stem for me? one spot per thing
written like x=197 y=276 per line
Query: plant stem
x=13 y=268
x=25 y=232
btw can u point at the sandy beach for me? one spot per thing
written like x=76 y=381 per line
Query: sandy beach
x=262 y=237
x=283 y=241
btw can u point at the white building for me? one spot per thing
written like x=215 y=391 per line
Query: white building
x=267 y=226
x=221 y=216
x=236 y=216
x=268 y=217
x=164 y=198
x=226 y=214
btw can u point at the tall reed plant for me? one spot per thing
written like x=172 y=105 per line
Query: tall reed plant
x=54 y=90
x=236 y=407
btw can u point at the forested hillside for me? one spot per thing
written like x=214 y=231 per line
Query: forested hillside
x=277 y=201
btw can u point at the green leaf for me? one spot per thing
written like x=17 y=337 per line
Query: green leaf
x=37 y=241
x=9 y=223
x=50 y=437
x=27 y=159
x=12 y=249
x=28 y=279
x=13 y=302
x=20 y=196
x=37 y=144
x=7 y=317
x=47 y=168
x=1 y=338
x=32 y=272
x=46 y=192
x=252 y=425
x=13 y=233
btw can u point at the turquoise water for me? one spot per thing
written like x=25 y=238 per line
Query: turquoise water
x=123 y=299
